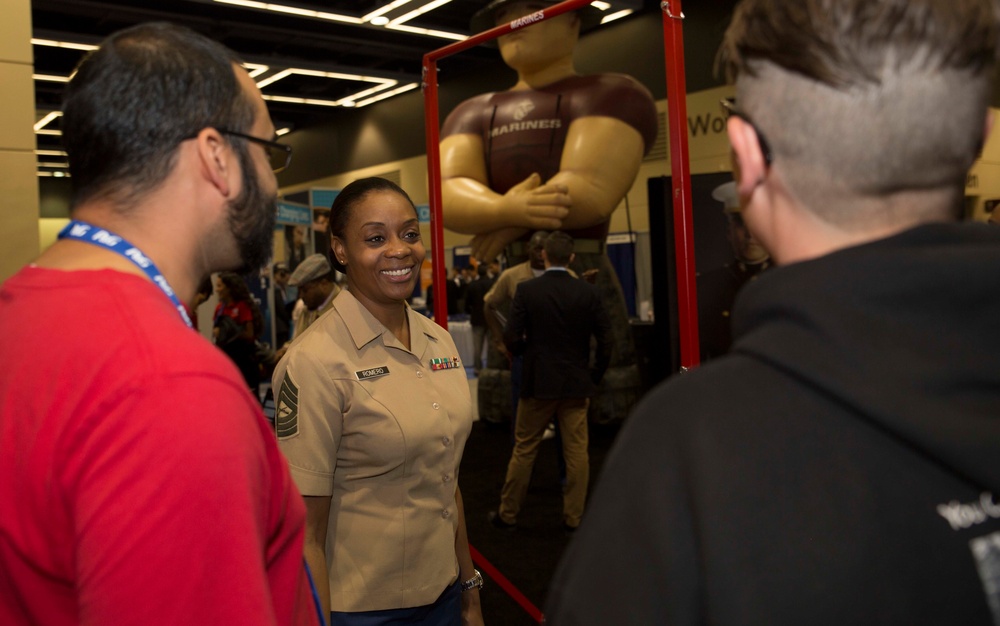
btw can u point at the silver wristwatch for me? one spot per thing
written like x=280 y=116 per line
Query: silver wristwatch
x=476 y=582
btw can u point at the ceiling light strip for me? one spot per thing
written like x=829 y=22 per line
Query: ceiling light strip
x=42 y=123
x=62 y=44
x=387 y=94
x=426 y=31
x=614 y=16
x=351 y=99
x=49 y=78
x=290 y=100
x=384 y=10
x=255 y=69
x=430 y=6
x=291 y=10
x=270 y=80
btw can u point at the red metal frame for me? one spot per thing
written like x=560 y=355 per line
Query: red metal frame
x=680 y=169
x=673 y=46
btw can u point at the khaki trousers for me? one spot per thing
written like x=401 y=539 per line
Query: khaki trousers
x=533 y=415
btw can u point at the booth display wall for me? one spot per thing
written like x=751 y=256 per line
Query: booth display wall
x=18 y=186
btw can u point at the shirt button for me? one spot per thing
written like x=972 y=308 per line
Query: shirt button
x=447 y=478
x=445 y=440
x=420 y=374
x=446 y=514
x=436 y=406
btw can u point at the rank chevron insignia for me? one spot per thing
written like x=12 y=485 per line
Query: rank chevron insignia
x=286 y=413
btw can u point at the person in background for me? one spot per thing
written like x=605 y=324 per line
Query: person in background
x=474 y=307
x=317 y=285
x=295 y=245
x=455 y=290
x=236 y=303
x=238 y=324
x=373 y=412
x=201 y=296
x=282 y=306
x=552 y=321
x=717 y=288
x=139 y=481
x=496 y=309
x=320 y=229
x=840 y=464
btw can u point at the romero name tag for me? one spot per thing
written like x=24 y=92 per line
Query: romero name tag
x=375 y=372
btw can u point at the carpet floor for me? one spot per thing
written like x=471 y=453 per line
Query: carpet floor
x=528 y=556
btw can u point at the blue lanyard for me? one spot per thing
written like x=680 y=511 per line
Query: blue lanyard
x=88 y=233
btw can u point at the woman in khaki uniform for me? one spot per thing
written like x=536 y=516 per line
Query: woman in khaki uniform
x=373 y=412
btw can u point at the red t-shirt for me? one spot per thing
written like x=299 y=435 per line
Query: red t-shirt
x=239 y=311
x=139 y=481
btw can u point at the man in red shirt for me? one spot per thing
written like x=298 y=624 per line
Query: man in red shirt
x=139 y=481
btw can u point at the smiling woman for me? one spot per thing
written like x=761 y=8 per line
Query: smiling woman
x=374 y=426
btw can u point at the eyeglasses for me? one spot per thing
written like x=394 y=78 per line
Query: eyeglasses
x=279 y=154
x=729 y=109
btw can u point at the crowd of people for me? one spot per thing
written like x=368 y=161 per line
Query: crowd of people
x=834 y=465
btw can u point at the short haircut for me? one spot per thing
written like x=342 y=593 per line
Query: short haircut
x=538 y=239
x=134 y=100
x=558 y=248
x=865 y=98
x=348 y=198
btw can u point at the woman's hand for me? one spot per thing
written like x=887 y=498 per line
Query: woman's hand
x=472 y=612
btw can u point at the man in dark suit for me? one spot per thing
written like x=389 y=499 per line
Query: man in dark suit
x=551 y=322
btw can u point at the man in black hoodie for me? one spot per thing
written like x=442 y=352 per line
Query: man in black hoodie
x=842 y=464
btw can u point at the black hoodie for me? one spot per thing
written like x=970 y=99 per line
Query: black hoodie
x=838 y=467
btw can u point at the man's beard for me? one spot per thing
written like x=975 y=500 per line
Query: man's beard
x=252 y=216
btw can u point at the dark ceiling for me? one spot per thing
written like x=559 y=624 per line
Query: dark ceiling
x=276 y=40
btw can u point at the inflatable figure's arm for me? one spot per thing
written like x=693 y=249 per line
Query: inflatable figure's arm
x=600 y=160
x=471 y=207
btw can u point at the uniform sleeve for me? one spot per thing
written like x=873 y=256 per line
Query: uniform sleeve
x=308 y=421
x=634 y=559
x=170 y=490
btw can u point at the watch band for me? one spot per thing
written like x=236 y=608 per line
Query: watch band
x=476 y=582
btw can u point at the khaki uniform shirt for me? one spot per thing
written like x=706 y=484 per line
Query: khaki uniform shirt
x=381 y=429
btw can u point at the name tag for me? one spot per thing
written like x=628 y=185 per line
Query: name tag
x=374 y=372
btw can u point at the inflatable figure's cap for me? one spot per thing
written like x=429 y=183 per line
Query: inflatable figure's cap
x=484 y=20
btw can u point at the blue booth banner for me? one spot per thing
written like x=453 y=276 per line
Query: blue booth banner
x=294 y=214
